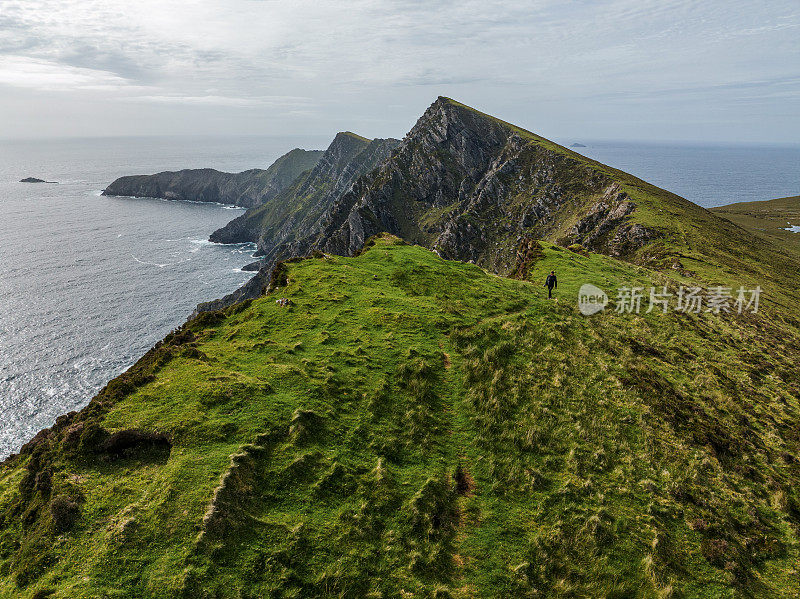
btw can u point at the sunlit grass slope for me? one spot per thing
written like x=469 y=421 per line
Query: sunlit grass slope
x=769 y=220
x=709 y=245
x=412 y=427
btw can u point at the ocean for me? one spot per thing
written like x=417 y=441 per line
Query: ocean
x=89 y=283
x=709 y=175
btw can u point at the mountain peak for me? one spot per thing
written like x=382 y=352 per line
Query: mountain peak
x=350 y=136
x=445 y=101
x=344 y=147
x=449 y=122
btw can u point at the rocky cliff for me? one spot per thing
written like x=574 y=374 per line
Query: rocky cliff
x=245 y=189
x=293 y=213
x=299 y=211
x=473 y=188
x=468 y=185
x=477 y=189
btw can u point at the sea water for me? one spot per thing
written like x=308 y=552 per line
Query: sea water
x=707 y=174
x=88 y=283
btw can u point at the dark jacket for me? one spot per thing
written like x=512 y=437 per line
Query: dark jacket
x=551 y=281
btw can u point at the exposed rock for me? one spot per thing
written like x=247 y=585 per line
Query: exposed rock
x=253 y=266
x=494 y=183
x=294 y=213
x=34 y=180
x=607 y=217
x=577 y=145
x=465 y=184
x=246 y=189
x=283 y=226
x=528 y=252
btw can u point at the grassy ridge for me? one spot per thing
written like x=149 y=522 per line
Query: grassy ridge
x=416 y=427
x=768 y=219
x=701 y=243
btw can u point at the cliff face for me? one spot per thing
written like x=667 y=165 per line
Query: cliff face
x=465 y=184
x=245 y=189
x=282 y=225
x=473 y=188
x=294 y=212
x=477 y=189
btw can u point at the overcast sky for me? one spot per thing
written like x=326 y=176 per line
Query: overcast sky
x=712 y=70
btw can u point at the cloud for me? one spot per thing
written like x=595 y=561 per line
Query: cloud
x=26 y=72
x=361 y=56
x=215 y=100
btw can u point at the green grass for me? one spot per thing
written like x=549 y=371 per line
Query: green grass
x=413 y=427
x=767 y=220
x=356 y=136
x=700 y=244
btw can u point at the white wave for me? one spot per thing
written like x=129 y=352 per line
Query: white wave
x=224 y=206
x=219 y=204
x=158 y=264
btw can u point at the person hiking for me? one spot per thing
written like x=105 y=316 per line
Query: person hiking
x=551 y=282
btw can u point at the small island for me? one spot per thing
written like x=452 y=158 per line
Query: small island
x=577 y=145
x=34 y=180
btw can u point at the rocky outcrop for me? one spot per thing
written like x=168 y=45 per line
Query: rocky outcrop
x=241 y=229
x=470 y=186
x=34 y=180
x=294 y=213
x=252 y=266
x=284 y=226
x=245 y=189
x=318 y=193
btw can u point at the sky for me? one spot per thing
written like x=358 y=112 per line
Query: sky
x=700 y=71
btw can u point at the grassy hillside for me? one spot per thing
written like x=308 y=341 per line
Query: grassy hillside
x=690 y=239
x=768 y=220
x=413 y=427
